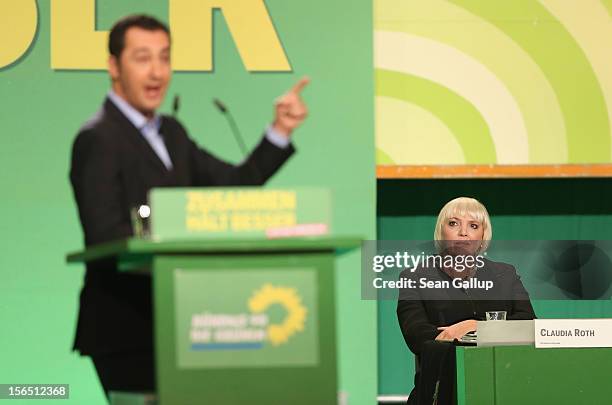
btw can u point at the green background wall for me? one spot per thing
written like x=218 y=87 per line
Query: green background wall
x=520 y=209
x=42 y=110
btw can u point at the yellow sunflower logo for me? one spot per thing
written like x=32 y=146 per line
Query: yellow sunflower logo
x=290 y=300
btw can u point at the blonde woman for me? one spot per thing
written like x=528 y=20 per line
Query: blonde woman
x=460 y=295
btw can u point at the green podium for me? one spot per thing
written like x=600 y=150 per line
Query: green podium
x=239 y=321
x=508 y=375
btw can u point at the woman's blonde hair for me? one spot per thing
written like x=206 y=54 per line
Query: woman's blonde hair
x=465 y=206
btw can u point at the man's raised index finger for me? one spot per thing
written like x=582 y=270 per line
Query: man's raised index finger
x=299 y=86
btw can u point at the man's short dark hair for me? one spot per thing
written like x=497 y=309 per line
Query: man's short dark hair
x=116 y=39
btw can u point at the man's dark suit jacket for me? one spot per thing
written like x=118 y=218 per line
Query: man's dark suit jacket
x=113 y=169
x=421 y=312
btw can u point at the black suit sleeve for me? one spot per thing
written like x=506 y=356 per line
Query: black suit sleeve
x=415 y=325
x=95 y=180
x=260 y=165
x=413 y=320
x=209 y=170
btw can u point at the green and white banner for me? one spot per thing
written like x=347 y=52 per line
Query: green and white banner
x=493 y=81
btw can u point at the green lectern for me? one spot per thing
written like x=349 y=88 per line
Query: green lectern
x=239 y=321
x=507 y=375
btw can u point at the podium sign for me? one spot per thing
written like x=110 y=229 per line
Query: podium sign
x=268 y=320
x=239 y=213
x=573 y=333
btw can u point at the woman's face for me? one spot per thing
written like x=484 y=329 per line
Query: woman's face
x=463 y=228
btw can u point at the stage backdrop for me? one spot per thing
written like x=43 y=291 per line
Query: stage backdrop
x=50 y=83
x=493 y=82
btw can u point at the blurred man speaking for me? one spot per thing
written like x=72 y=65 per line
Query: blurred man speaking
x=125 y=150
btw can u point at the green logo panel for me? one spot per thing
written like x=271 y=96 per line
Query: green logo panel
x=246 y=318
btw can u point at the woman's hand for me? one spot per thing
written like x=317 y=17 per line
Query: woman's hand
x=456 y=331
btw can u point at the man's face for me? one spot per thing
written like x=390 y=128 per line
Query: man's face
x=142 y=72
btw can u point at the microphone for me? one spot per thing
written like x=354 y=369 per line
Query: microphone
x=230 y=119
x=238 y=137
x=220 y=105
x=176 y=105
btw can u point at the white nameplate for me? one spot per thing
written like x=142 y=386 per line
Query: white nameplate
x=573 y=333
